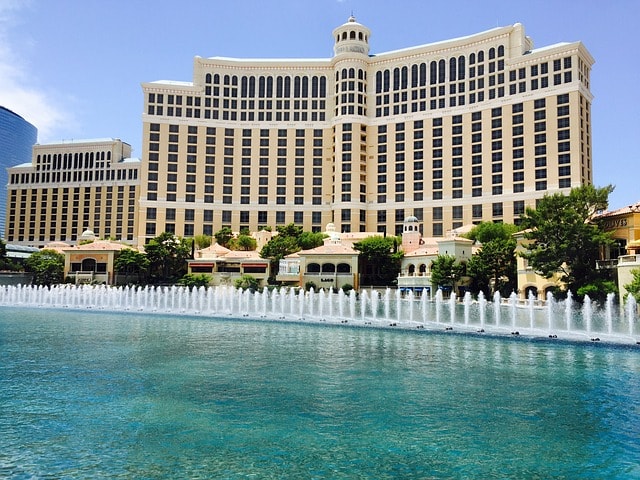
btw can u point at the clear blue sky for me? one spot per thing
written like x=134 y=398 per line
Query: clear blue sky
x=74 y=67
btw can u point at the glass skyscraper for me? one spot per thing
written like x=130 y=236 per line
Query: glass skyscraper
x=17 y=137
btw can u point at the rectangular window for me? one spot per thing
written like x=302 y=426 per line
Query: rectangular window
x=497 y=209
x=518 y=207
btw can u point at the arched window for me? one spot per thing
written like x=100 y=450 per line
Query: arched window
x=252 y=87
x=433 y=77
x=269 y=87
x=386 y=80
x=207 y=78
x=404 y=77
x=344 y=268
x=305 y=87
x=452 y=69
x=396 y=78
x=461 y=67
x=216 y=78
x=314 y=87
x=414 y=75
x=88 y=265
x=423 y=74
x=352 y=36
x=323 y=87
x=279 y=87
x=492 y=53
x=480 y=56
x=296 y=87
x=472 y=59
x=287 y=87
x=244 y=87
x=442 y=72
x=344 y=35
x=359 y=35
x=501 y=51
x=227 y=80
x=352 y=73
x=378 y=82
x=423 y=268
x=261 y=87
x=361 y=74
x=328 y=268
x=412 y=269
x=313 y=268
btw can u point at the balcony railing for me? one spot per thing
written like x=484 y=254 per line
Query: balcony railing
x=606 y=264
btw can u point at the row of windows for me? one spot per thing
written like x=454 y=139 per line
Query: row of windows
x=263 y=87
x=77 y=160
x=120 y=174
x=399 y=102
x=262 y=217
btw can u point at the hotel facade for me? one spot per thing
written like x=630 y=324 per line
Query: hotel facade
x=456 y=132
x=71 y=187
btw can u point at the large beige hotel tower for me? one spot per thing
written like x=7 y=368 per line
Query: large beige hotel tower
x=456 y=132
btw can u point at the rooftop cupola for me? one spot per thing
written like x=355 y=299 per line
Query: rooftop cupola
x=352 y=38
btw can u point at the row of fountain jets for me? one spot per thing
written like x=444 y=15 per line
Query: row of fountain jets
x=614 y=322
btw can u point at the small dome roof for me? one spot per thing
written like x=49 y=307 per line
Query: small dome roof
x=411 y=219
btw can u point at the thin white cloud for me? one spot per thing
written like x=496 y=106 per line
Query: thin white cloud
x=17 y=92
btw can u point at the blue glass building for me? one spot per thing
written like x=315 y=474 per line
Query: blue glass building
x=17 y=137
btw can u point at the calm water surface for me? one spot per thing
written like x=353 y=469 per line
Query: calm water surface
x=101 y=395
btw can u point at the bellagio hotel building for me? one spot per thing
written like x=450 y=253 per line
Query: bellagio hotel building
x=456 y=132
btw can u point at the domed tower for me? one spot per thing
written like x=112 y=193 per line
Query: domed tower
x=351 y=37
x=411 y=236
x=351 y=65
x=351 y=62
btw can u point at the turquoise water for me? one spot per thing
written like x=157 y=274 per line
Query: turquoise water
x=102 y=395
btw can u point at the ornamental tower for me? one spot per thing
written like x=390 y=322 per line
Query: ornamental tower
x=351 y=65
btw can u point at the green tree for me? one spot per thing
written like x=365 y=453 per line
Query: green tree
x=487 y=231
x=132 y=262
x=6 y=263
x=223 y=236
x=243 y=242
x=247 y=282
x=202 y=241
x=494 y=267
x=47 y=267
x=309 y=240
x=167 y=256
x=379 y=260
x=565 y=240
x=290 y=230
x=633 y=288
x=446 y=272
x=195 y=280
